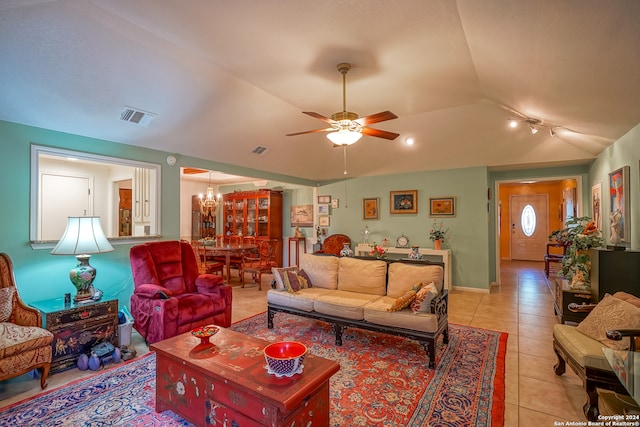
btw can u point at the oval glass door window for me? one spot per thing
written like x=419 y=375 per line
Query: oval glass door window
x=528 y=220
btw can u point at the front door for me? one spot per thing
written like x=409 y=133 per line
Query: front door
x=529 y=226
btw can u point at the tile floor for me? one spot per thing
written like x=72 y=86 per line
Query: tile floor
x=522 y=306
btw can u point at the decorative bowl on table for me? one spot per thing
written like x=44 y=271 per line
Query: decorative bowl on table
x=205 y=332
x=284 y=358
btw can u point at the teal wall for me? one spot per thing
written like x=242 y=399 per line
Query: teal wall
x=40 y=275
x=625 y=152
x=468 y=236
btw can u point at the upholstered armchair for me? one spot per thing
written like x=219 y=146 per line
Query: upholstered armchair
x=334 y=243
x=24 y=344
x=170 y=297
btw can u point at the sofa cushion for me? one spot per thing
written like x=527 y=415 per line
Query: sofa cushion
x=406 y=299
x=16 y=339
x=302 y=300
x=422 y=301
x=402 y=277
x=586 y=351
x=6 y=303
x=278 y=275
x=294 y=282
x=362 y=276
x=345 y=304
x=631 y=299
x=377 y=312
x=610 y=313
x=322 y=270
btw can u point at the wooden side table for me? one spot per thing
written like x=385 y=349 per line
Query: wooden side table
x=77 y=328
x=564 y=296
x=297 y=241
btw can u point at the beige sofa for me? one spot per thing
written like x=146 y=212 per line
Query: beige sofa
x=354 y=292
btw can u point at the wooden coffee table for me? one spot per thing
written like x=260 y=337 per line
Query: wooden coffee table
x=225 y=382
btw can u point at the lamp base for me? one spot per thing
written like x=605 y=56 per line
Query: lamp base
x=82 y=276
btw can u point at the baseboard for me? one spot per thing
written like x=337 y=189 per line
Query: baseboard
x=465 y=289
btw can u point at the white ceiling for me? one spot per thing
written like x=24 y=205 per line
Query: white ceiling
x=226 y=76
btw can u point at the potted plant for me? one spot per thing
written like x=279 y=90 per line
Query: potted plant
x=579 y=236
x=437 y=234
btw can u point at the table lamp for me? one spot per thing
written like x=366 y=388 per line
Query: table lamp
x=83 y=236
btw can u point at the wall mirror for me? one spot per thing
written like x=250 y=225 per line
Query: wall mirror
x=125 y=194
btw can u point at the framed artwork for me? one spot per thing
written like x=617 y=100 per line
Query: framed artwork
x=371 y=208
x=596 y=205
x=442 y=206
x=324 y=200
x=325 y=221
x=619 y=206
x=323 y=209
x=302 y=215
x=334 y=203
x=404 y=202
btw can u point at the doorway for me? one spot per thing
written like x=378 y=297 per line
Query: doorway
x=555 y=190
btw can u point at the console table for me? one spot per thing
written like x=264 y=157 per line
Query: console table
x=444 y=256
x=297 y=241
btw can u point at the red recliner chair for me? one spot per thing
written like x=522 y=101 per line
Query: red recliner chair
x=170 y=297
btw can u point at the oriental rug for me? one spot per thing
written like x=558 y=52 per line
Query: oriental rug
x=383 y=381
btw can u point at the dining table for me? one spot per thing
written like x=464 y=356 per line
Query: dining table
x=229 y=251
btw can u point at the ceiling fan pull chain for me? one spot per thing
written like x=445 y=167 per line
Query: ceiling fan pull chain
x=344 y=150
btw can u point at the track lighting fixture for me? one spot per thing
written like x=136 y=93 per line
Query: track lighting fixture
x=535 y=125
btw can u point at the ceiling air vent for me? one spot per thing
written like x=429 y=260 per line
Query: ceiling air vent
x=260 y=150
x=136 y=116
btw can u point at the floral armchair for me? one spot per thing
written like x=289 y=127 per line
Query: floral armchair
x=170 y=297
x=24 y=344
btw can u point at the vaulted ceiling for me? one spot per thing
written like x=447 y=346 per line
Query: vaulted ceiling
x=224 y=77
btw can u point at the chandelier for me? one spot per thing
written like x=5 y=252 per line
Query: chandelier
x=209 y=203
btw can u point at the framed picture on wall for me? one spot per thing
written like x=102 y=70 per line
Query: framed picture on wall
x=324 y=200
x=325 y=221
x=442 y=207
x=619 y=206
x=335 y=203
x=323 y=209
x=371 y=208
x=302 y=215
x=596 y=205
x=404 y=202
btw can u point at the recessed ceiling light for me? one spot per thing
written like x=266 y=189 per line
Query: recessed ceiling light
x=513 y=123
x=409 y=141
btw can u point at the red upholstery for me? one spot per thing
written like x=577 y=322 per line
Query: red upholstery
x=169 y=296
x=333 y=244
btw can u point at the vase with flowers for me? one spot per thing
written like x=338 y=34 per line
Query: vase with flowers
x=378 y=251
x=437 y=234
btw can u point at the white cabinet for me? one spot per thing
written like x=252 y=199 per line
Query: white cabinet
x=144 y=202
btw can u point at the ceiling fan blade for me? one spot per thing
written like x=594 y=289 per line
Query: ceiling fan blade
x=380 y=133
x=310 y=131
x=376 y=118
x=319 y=116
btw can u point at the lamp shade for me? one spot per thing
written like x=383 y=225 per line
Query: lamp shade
x=83 y=235
x=344 y=137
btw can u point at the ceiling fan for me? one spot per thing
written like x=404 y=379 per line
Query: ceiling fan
x=346 y=127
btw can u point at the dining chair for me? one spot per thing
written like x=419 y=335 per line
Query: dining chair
x=259 y=263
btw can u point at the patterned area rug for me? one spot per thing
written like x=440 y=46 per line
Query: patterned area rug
x=383 y=381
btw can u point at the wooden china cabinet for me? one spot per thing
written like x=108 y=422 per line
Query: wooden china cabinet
x=254 y=213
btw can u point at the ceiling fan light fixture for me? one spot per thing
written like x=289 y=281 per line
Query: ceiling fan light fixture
x=552 y=132
x=533 y=129
x=513 y=123
x=344 y=137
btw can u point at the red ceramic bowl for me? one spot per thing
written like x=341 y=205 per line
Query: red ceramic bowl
x=205 y=332
x=284 y=358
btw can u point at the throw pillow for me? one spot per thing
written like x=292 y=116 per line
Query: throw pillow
x=610 y=313
x=405 y=300
x=6 y=303
x=631 y=299
x=422 y=303
x=293 y=283
x=278 y=275
x=304 y=274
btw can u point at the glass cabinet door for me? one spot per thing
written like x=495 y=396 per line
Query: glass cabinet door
x=252 y=215
x=263 y=217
